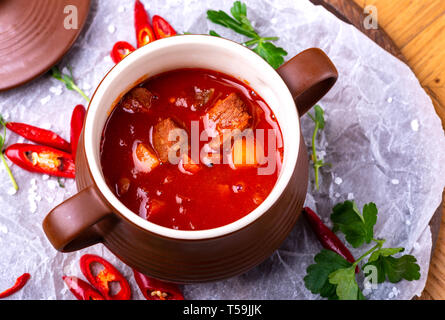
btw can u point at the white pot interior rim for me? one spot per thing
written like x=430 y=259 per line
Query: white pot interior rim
x=266 y=82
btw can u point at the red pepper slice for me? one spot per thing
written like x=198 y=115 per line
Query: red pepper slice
x=101 y=281
x=144 y=32
x=42 y=159
x=154 y=289
x=19 y=284
x=82 y=290
x=39 y=135
x=327 y=238
x=162 y=28
x=77 y=118
x=121 y=49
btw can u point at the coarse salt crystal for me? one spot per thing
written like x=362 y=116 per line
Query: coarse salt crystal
x=389 y=100
x=395 y=181
x=415 y=125
x=86 y=86
x=273 y=20
x=3 y=229
x=391 y=295
x=111 y=28
x=52 y=184
x=408 y=223
x=337 y=195
x=33 y=181
x=45 y=100
x=120 y=9
x=11 y=191
x=45 y=177
x=350 y=196
x=338 y=180
x=32 y=207
x=57 y=90
x=416 y=246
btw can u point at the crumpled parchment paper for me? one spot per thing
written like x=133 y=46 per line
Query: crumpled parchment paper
x=382 y=136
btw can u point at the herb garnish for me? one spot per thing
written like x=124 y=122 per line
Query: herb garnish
x=68 y=80
x=60 y=182
x=334 y=278
x=2 y=156
x=241 y=24
x=318 y=119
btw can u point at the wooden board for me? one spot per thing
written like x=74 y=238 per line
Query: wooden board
x=350 y=12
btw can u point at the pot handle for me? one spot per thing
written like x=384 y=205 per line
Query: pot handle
x=309 y=76
x=70 y=225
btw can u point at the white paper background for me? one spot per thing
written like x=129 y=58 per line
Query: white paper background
x=382 y=136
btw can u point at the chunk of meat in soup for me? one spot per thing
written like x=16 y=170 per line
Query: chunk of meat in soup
x=137 y=100
x=227 y=115
x=144 y=158
x=203 y=96
x=161 y=141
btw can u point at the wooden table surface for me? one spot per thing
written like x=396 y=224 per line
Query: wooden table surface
x=418 y=29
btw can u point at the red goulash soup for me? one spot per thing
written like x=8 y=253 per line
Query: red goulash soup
x=202 y=189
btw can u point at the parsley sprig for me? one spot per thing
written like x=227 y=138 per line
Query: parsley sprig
x=319 y=121
x=2 y=156
x=241 y=24
x=68 y=80
x=334 y=278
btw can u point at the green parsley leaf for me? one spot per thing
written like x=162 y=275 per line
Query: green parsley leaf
x=317 y=278
x=319 y=121
x=386 y=252
x=319 y=116
x=214 y=33
x=68 y=80
x=357 y=228
x=2 y=156
x=223 y=19
x=393 y=269
x=270 y=53
x=239 y=12
x=241 y=24
x=347 y=287
x=2 y=137
x=60 y=182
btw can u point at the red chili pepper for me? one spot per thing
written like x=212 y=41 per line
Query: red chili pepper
x=101 y=281
x=82 y=290
x=327 y=238
x=144 y=32
x=39 y=135
x=42 y=159
x=19 y=284
x=76 y=127
x=154 y=289
x=121 y=49
x=162 y=28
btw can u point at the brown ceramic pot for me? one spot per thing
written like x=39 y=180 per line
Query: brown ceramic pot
x=95 y=215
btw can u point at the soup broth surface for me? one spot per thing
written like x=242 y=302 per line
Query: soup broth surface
x=199 y=194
